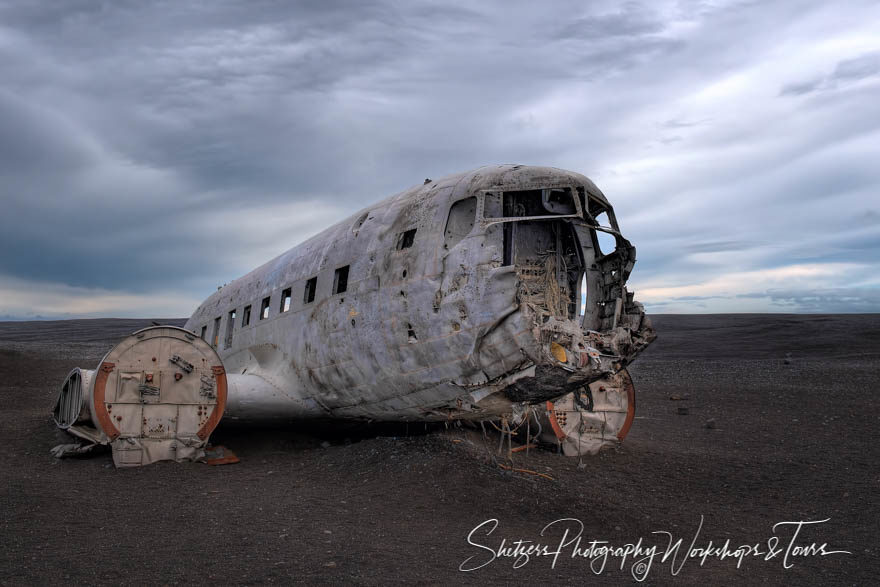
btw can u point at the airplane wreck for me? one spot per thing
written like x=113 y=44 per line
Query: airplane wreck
x=497 y=294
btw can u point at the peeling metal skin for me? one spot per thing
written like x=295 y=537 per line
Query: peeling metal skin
x=474 y=315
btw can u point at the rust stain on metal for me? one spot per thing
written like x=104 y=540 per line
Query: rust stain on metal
x=217 y=412
x=101 y=413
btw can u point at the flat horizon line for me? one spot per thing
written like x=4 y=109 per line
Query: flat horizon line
x=10 y=319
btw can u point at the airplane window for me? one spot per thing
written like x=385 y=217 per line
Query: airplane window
x=246 y=316
x=607 y=243
x=405 y=239
x=285 y=300
x=531 y=203
x=558 y=201
x=215 y=337
x=230 y=325
x=204 y=332
x=340 y=280
x=461 y=221
x=309 y=293
x=264 y=308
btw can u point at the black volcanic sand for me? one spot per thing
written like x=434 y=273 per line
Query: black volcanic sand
x=793 y=437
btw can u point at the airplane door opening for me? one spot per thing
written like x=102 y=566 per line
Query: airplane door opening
x=582 y=295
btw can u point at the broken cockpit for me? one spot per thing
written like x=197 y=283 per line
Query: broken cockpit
x=571 y=265
x=571 y=260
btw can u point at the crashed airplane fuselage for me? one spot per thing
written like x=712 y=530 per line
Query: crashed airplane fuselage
x=490 y=294
x=459 y=298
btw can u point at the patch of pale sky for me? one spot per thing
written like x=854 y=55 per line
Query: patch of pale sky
x=28 y=299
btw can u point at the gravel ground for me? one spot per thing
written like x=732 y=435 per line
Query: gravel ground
x=781 y=426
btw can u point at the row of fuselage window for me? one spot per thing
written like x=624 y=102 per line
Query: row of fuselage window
x=405 y=240
x=340 y=284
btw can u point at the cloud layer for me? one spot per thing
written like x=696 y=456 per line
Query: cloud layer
x=150 y=151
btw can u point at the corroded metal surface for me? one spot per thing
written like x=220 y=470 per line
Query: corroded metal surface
x=477 y=296
x=157 y=395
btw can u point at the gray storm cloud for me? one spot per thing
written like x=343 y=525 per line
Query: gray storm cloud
x=150 y=151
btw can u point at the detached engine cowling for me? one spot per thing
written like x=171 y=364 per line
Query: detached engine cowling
x=157 y=395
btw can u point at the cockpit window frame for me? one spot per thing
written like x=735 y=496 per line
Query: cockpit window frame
x=484 y=222
x=580 y=214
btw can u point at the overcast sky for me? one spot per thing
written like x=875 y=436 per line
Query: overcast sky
x=151 y=151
